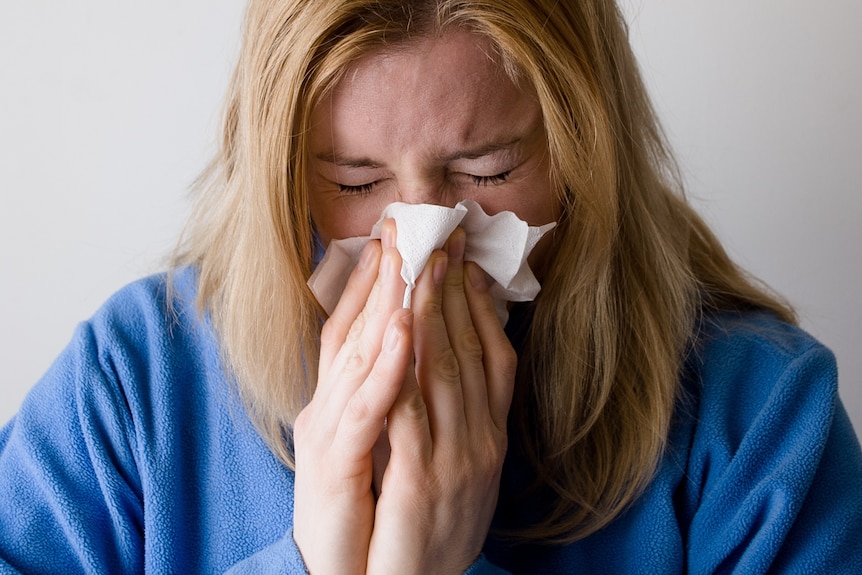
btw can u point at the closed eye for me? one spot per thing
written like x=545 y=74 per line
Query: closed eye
x=361 y=190
x=484 y=181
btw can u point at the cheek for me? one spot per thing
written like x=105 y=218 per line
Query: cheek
x=343 y=218
x=532 y=201
x=545 y=206
x=541 y=207
x=337 y=216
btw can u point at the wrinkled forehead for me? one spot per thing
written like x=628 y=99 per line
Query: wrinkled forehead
x=348 y=59
x=454 y=78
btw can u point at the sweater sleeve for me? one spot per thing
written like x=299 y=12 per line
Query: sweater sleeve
x=69 y=492
x=121 y=460
x=827 y=534
x=283 y=557
x=776 y=467
x=280 y=558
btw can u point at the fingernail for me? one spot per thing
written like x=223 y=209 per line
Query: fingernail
x=439 y=271
x=388 y=234
x=477 y=277
x=457 y=243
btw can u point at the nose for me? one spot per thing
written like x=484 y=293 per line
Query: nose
x=428 y=189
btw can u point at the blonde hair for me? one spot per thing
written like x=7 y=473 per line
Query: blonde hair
x=635 y=266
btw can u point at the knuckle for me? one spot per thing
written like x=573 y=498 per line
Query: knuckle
x=309 y=436
x=358 y=409
x=469 y=344
x=496 y=449
x=508 y=363
x=454 y=282
x=489 y=454
x=447 y=367
x=413 y=408
x=356 y=329
x=328 y=332
x=430 y=310
x=356 y=361
x=301 y=424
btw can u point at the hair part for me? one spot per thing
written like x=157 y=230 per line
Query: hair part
x=635 y=266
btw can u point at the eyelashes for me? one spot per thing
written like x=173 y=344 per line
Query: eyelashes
x=480 y=181
x=362 y=190
x=484 y=181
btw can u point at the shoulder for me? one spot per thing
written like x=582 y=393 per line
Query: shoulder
x=153 y=316
x=154 y=301
x=109 y=382
x=145 y=362
x=151 y=332
x=144 y=351
x=759 y=388
x=771 y=456
x=745 y=358
x=757 y=337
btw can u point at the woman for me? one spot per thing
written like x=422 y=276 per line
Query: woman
x=653 y=410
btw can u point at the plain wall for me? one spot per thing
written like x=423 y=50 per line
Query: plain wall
x=762 y=102
x=109 y=110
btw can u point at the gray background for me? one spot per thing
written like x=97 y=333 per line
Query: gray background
x=109 y=109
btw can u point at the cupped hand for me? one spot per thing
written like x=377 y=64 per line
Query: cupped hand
x=366 y=348
x=447 y=426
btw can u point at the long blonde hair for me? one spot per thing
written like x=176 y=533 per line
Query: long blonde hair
x=635 y=266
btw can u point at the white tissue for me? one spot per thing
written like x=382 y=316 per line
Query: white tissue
x=499 y=244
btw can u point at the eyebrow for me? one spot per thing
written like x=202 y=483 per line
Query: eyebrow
x=347 y=162
x=482 y=151
x=469 y=154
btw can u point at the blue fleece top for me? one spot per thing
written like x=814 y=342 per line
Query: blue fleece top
x=133 y=454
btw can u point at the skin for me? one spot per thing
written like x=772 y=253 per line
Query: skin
x=436 y=121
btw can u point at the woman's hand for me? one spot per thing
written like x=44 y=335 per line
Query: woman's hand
x=447 y=427
x=366 y=348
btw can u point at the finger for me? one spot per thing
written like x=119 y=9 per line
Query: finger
x=437 y=370
x=358 y=292
x=362 y=420
x=388 y=233
x=499 y=358
x=353 y=299
x=408 y=425
x=463 y=338
x=361 y=347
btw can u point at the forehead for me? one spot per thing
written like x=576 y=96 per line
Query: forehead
x=451 y=87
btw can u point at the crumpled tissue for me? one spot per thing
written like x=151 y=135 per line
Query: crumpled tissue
x=499 y=244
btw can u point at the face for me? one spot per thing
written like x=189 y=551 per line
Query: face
x=436 y=122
